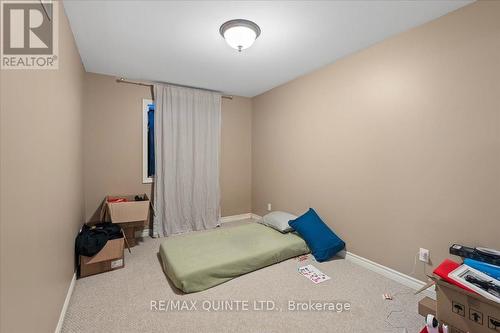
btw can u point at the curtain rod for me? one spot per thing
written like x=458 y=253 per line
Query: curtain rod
x=123 y=80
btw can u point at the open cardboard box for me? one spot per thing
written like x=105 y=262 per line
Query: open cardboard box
x=427 y=306
x=131 y=215
x=109 y=258
x=465 y=311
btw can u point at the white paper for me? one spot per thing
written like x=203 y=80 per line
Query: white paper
x=313 y=274
x=116 y=263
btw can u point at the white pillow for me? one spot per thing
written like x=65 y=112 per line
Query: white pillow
x=278 y=220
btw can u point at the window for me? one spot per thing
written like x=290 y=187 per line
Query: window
x=148 y=147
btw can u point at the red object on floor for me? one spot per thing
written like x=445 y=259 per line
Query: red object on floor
x=424 y=330
x=446 y=267
x=117 y=200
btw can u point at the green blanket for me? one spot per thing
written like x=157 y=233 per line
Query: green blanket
x=198 y=261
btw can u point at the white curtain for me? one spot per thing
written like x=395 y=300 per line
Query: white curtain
x=187 y=140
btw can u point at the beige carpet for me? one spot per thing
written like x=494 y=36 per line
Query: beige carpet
x=120 y=301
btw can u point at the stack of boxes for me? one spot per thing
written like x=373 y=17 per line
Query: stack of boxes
x=131 y=215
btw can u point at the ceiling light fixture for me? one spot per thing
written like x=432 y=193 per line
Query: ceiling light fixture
x=240 y=34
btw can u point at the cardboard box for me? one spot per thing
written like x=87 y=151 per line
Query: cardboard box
x=464 y=311
x=131 y=215
x=129 y=229
x=427 y=306
x=125 y=212
x=109 y=258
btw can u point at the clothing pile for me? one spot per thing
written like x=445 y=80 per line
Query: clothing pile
x=92 y=239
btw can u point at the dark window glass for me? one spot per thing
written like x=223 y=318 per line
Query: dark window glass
x=151 y=140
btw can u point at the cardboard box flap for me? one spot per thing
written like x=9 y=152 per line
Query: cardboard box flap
x=112 y=250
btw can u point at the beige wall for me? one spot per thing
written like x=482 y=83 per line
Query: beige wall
x=113 y=145
x=397 y=146
x=112 y=140
x=41 y=194
x=236 y=161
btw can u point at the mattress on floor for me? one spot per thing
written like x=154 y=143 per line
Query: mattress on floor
x=202 y=260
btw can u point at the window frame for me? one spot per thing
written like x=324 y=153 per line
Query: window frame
x=145 y=109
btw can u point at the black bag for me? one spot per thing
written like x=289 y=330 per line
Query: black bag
x=91 y=240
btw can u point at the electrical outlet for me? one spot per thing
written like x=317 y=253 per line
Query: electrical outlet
x=269 y=207
x=423 y=255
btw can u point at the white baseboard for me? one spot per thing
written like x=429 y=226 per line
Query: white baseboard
x=234 y=218
x=255 y=216
x=390 y=273
x=66 y=304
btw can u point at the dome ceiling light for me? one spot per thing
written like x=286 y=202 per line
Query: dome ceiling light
x=240 y=34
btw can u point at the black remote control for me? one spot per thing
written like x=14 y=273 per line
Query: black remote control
x=488 y=257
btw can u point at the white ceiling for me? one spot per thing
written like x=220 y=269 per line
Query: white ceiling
x=179 y=41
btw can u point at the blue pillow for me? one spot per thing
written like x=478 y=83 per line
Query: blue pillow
x=321 y=240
